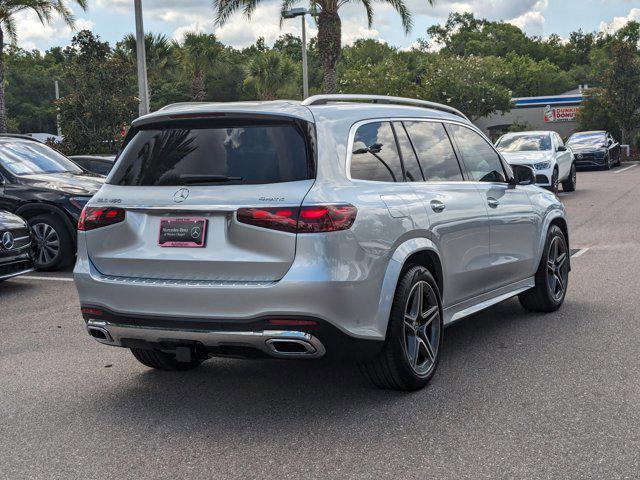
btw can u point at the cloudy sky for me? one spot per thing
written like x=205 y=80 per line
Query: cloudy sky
x=112 y=19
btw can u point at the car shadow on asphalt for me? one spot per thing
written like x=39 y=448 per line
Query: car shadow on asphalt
x=8 y=288
x=228 y=394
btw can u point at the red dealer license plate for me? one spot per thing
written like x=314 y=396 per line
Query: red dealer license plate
x=182 y=232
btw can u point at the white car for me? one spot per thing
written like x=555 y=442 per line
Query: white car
x=546 y=153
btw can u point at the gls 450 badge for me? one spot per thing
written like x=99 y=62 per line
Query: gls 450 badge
x=108 y=200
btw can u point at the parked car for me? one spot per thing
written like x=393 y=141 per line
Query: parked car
x=98 y=164
x=46 y=137
x=546 y=153
x=595 y=149
x=334 y=227
x=15 y=246
x=49 y=191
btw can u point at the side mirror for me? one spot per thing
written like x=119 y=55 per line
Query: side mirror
x=562 y=148
x=522 y=175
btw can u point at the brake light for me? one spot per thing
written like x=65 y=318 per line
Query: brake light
x=97 y=217
x=306 y=219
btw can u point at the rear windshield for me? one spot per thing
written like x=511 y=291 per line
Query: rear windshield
x=217 y=153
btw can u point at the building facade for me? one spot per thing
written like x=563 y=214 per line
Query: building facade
x=553 y=112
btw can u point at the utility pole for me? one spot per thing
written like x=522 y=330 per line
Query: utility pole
x=305 y=73
x=141 y=59
x=57 y=108
x=301 y=12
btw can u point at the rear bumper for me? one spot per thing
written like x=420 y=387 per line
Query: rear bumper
x=347 y=295
x=254 y=338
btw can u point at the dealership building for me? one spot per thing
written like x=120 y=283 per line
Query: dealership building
x=553 y=112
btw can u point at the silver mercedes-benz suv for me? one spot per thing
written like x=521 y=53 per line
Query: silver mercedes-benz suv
x=343 y=225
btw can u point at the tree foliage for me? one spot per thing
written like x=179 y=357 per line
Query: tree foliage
x=479 y=67
x=96 y=107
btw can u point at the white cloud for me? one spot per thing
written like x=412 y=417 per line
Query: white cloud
x=180 y=32
x=618 y=22
x=531 y=23
x=239 y=32
x=31 y=31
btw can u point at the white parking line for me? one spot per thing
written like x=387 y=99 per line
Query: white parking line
x=53 y=279
x=582 y=251
x=626 y=168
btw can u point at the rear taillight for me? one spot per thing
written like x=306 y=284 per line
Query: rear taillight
x=97 y=217
x=307 y=219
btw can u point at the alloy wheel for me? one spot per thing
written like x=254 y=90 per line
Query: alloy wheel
x=557 y=268
x=47 y=243
x=554 y=181
x=422 y=328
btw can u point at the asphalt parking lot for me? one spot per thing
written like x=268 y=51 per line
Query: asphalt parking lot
x=517 y=395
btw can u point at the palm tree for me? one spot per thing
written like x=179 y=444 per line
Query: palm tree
x=201 y=51
x=161 y=58
x=329 y=25
x=44 y=9
x=268 y=73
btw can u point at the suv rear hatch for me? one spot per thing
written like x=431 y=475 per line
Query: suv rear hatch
x=185 y=177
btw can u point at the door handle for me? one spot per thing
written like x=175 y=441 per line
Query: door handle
x=437 y=206
x=493 y=203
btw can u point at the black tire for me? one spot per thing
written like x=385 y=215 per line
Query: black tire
x=607 y=162
x=395 y=367
x=554 y=181
x=50 y=228
x=544 y=296
x=569 y=185
x=164 y=361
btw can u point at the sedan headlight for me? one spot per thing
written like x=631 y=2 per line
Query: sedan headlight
x=542 y=165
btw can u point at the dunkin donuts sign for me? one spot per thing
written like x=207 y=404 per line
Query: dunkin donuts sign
x=560 y=114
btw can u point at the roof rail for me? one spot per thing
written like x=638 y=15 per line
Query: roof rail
x=324 y=99
x=171 y=106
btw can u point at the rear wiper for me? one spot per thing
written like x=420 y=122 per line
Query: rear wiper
x=194 y=179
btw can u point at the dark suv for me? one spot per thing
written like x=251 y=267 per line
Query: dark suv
x=49 y=191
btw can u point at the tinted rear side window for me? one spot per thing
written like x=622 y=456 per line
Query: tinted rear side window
x=375 y=154
x=412 y=170
x=435 y=152
x=229 y=152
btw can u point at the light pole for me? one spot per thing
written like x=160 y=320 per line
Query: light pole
x=301 y=12
x=55 y=82
x=141 y=60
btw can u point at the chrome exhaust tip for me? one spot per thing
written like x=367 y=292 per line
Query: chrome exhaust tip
x=290 y=347
x=100 y=334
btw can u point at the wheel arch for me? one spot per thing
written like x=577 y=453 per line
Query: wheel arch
x=415 y=251
x=558 y=220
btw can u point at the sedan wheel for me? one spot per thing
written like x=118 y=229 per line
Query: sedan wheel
x=47 y=243
x=52 y=241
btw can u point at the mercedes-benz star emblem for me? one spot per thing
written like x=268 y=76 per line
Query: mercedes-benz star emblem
x=195 y=232
x=7 y=240
x=181 y=195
